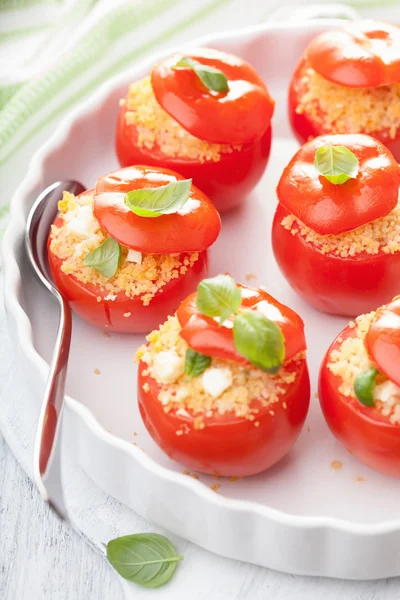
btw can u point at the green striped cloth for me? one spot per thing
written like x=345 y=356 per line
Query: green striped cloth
x=55 y=53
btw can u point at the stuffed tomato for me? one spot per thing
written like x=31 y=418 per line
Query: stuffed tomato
x=205 y=114
x=126 y=253
x=349 y=82
x=359 y=388
x=336 y=231
x=223 y=385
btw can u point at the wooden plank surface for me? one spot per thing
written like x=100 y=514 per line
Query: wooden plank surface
x=42 y=559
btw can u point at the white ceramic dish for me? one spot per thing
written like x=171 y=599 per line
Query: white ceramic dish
x=301 y=516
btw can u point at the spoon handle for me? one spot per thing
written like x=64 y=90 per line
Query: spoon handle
x=47 y=455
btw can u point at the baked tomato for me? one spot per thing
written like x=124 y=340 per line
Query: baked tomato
x=347 y=82
x=371 y=433
x=218 y=415
x=161 y=258
x=221 y=139
x=343 y=236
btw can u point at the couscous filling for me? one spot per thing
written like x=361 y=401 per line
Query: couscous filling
x=348 y=110
x=350 y=359
x=138 y=274
x=238 y=386
x=157 y=130
x=381 y=235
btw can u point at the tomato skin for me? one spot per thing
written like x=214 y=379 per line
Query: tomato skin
x=383 y=340
x=228 y=445
x=363 y=430
x=335 y=285
x=109 y=314
x=361 y=54
x=193 y=228
x=332 y=209
x=208 y=337
x=306 y=128
x=238 y=116
x=226 y=182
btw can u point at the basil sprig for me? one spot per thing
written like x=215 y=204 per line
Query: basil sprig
x=105 y=258
x=218 y=297
x=212 y=78
x=260 y=340
x=148 y=559
x=163 y=200
x=256 y=338
x=196 y=363
x=336 y=163
x=364 y=386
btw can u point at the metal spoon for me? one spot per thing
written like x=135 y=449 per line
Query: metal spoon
x=47 y=457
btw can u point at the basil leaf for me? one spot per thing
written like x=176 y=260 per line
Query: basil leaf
x=163 y=200
x=210 y=77
x=364 y=386
x=260 y=340
x=336 y=163
x=105 y=259
x=218 y=297
x=148 y=559
x=196 y=363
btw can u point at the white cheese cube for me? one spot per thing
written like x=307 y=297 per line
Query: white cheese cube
x=216 y=381
x=83 y=223
x=385 y=391
x=134 y=256
x=168 y=366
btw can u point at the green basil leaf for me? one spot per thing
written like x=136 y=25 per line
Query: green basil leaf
x=259 y=340
x=364 y=386
x=196 y=363
x=336 y=163
x=163 y=200
x=105 y=258
x=218 y=297
x=210 y=77
x=148 y=559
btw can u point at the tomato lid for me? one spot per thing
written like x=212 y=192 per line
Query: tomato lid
x=383 y=340
x=329 y=208
x=238 y=116
x=361 y=54
x=206 y=336
x=193 y=228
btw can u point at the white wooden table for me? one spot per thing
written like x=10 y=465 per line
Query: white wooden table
x=42 y=559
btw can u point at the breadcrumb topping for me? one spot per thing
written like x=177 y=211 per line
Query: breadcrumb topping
x=142 y=280
x=350 y=359
x=381 y=235
x=340 y=109
x=156 y=129
x=250 y=391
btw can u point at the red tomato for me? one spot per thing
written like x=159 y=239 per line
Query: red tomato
x=383 y=340
x=192 y=229
x=363 y=430
x=332 y=209
x=109 y=314
x=361 y=54
x=206 y=336
x=226 y=181
x=341 y=286
x=239 y=116
x=305 y=127
x=228 y=445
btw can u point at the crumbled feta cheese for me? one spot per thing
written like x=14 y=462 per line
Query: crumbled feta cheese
x=386 y=391
x=168 y=366
x=83 y=223
x=269 y=310
x=181 y=412
x=110 y=296
x=134 y=256
x=216 y=381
